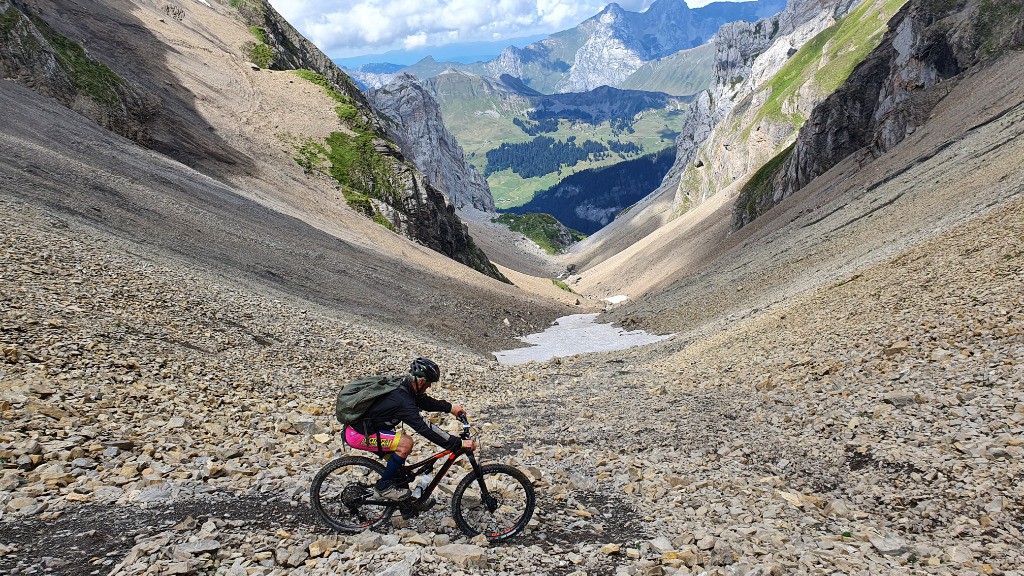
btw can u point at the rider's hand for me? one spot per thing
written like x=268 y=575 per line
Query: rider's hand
x=469 y=445
x=457 y=410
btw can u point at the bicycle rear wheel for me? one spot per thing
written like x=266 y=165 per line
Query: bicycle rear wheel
x=503 y=511
x=339 y=492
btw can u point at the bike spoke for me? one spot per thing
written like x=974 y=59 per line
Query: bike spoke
x=500 y=513
x=341 y=495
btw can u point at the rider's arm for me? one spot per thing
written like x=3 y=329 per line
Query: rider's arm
x=411 y=415
x=433 y=404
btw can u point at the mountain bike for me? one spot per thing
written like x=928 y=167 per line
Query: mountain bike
x=495 y=500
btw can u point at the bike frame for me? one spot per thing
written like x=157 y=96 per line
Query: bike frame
x=411 y=471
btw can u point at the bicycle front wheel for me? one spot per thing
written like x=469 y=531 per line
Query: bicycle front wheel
x=499 y=512
x=339 y=492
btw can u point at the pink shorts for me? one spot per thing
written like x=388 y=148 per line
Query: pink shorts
x=388 y=440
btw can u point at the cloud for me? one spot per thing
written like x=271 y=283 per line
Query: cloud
x=355 y=27
x=414 y=41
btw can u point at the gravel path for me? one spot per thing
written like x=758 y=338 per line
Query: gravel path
x=874 y=425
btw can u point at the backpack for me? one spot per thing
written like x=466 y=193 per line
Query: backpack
x=358 y=395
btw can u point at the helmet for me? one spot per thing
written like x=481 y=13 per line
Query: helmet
x=424 y=368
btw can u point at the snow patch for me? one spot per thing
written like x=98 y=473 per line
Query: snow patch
x=575 y=334
x=613 y=300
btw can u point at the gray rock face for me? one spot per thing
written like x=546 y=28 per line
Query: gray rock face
x=424 y=214
x=28 y=57
x=421 y=212
x=747 y=54
x=413 y=121
x=895 y=89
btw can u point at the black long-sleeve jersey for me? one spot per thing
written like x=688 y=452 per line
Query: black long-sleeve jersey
x=403 y=405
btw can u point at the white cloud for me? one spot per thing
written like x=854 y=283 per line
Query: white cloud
x=346 y=28
x=364 y=26
x=414 y=41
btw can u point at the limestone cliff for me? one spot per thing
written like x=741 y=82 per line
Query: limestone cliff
x=412 y=119
x=728 y=133
x=928 y=46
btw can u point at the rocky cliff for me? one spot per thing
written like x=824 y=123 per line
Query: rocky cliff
x=929 y=45
x=44 y=49
x=35 y=55
x=412 y=119
x=711 y=151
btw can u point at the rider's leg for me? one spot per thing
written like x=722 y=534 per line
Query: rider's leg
x=404 y=447
x=396 y=461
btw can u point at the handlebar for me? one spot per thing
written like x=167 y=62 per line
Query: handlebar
x=465 y=425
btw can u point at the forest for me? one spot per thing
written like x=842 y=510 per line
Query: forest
x=540 y=156
x=588 y=200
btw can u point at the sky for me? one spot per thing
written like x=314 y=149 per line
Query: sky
x=346 y=28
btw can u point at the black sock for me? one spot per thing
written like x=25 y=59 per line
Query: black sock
x=394 y=465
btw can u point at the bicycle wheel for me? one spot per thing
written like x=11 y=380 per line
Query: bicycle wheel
x=506 y=509
x=339 y=490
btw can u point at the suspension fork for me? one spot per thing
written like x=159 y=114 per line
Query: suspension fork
x=485 y=496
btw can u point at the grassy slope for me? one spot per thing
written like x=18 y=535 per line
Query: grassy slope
x=682 y=74
x=543 y=229
x=840 y=47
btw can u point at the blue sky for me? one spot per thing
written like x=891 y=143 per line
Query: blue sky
x=355 y=27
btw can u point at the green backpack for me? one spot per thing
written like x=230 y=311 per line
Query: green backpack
x=357 y=396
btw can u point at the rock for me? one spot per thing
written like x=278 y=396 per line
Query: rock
x=610 y=549
x=464 y=555
x=197 y=547
x=959 y=554
x=123 y=445
x=417 y=539
x=324 y=546
x=397 y=569
x=153 y=494
x=177 y=568
x=889 y=545
x=21 y=503
x=367 y=541
x=661 y=544
x=899 y=399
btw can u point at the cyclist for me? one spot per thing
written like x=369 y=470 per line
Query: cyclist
x=403 y=404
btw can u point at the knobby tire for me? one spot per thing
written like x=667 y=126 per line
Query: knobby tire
x=514 y=496
x=337 y=490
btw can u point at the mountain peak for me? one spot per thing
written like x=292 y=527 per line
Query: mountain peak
x=665 y=6
x=613 y=10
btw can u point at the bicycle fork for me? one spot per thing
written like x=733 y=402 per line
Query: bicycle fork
x=489 y=501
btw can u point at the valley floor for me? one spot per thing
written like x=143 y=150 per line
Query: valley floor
x=156 y=420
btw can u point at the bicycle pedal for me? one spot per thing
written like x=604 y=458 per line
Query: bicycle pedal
x=409 y=511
